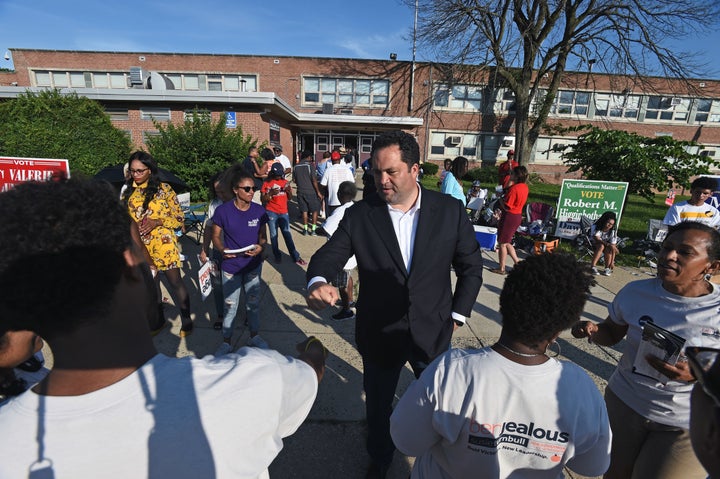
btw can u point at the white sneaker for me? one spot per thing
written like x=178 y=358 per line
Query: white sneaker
x=595 y=271
x=223 y=349
x=607 y=272
x=258 y=342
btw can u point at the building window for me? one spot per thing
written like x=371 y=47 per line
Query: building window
x=450 y=145
x=346 y=91
x=617 y=106
x=117 y=114
x=506 y=102
x=569 y=102
x=148 y=134
x=158 y=114
x=458 y=97
x=667 y=108
x=707 y=110
x=202 y=115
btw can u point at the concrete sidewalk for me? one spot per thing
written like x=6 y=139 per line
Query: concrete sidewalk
x=331 y=442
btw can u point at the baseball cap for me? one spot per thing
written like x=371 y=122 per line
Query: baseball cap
x=277 y=148
x=476 y=183
x=511 y=153
x=335 y=155
x=277 y=169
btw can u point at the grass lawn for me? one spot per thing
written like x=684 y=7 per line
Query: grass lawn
x=633 y=224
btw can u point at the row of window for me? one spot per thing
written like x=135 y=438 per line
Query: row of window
x=486 y=147
x=584 y=104
x=121 y=80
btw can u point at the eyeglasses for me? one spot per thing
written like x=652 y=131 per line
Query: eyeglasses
x=700 y=361
x=246 y=189
x=138 y=172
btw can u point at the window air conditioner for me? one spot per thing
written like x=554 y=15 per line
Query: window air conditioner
x=455 y=140
x=136 y=76
x=346 y=111
x=675 y=101
x=507 y=143
x=328 y=108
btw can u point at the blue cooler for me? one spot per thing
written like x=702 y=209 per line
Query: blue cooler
x=486 y=236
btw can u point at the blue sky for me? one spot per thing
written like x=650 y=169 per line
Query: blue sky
x=317 y=28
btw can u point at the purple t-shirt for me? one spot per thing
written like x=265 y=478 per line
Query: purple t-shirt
x=240 y=229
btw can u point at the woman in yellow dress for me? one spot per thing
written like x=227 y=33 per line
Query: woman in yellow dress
x=155 y=208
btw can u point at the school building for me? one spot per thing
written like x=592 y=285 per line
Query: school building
x=320 y=103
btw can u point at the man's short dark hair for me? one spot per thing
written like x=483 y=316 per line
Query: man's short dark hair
x=306 y=154
x=409 y=149
x=543 y=295
x=704 y=183
x=61 y=254
x=346 y=191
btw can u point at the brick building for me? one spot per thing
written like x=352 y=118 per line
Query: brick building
x=320 y=103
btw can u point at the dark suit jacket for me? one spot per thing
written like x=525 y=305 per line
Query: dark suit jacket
x=399 y=313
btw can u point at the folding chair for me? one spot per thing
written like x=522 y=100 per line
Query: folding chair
x=194 y=218
x=649 y=247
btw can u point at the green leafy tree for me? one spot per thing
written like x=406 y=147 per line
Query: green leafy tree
x=49 y=124
x=198 y=149
x=647 y=164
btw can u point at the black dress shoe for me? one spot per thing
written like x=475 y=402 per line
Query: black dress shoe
x=377 y=471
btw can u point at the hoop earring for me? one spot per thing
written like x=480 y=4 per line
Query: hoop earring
x=558 y=349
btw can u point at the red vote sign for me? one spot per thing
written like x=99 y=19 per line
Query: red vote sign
x=18 y=170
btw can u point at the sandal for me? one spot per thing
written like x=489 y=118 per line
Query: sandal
x=498 y=271
x=217 y=326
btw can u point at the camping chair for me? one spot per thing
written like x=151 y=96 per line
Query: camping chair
x=194 y=218
x=475 y=206
x=649 y=247
x=537 y=225
x=583 y=241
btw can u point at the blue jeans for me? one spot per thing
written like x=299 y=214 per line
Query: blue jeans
x=233 y=285
x=283 y=221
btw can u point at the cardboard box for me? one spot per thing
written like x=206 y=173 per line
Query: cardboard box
x=486 y=236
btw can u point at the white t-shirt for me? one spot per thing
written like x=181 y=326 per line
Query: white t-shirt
x=333 y=176
x=604 y=236
x=695 y=319
x=682 y=211
x=478 y=414
x=331 y=225
x=172 y=418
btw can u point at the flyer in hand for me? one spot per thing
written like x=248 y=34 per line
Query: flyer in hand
x=659 y=342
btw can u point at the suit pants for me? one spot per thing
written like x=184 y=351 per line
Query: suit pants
x=380 y=382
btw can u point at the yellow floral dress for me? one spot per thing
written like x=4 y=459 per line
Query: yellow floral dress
x=161 y=242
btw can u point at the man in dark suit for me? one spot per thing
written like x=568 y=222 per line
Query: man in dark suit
x=405 y=239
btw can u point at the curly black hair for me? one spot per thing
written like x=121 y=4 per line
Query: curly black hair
x=542 y=296
x=153 y=182
x=61 y=254
x=409 y=148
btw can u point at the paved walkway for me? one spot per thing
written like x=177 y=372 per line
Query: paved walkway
x=330 y=444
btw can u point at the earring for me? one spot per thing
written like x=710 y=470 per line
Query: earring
x=558 y=349
x=708 y=276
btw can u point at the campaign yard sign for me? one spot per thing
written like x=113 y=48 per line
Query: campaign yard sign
x=587 y=198
x=18 y=170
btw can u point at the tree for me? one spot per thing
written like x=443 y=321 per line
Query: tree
x=525 y=42
x=49 y=124
x=198 y=149
x=647 y=164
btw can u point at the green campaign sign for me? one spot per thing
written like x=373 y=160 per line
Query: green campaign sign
x=587 y=198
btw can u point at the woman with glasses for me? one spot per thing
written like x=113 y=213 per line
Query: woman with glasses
x=648 y=399
x=155 y=208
